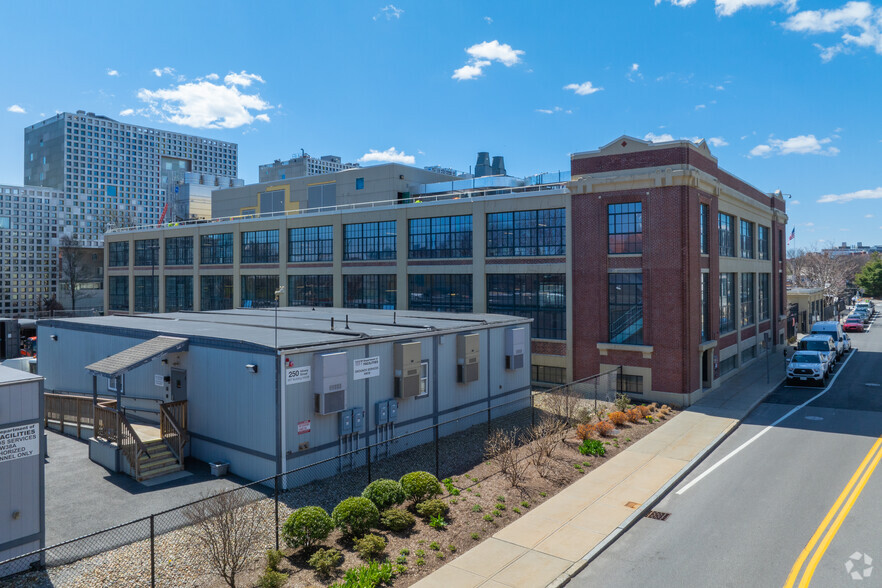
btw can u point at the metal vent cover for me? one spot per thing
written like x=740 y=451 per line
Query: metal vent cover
x=658 y=515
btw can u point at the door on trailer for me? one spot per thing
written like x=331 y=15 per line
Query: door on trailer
x=178 y=385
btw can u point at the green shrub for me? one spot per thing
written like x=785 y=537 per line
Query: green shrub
x=543 y=494
x=370 y=546
x=400 y=569
x=401 y=559
x=420 y=553
x=500 y=498
x=419 y=486
x=273 y=558
x=405 y=551
x=476 y=536
x=397 y=519
x=272 y=579
x=525 y=504
x=434 y=546
x=384 y=493
x=325 y=561
x=420 y=561
x=367 y=576
x=497 y=514
x=488 y=518
x=622 y=402
x=307 y=526
x=355 y=516
x=477 y=508
x=452 y=548
x=440 y=555
x=500 y=506
x=432 y=508
x=592 y=447
x=517 y=510
x=438 y=523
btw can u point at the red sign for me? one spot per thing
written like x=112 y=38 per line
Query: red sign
x=303 y=427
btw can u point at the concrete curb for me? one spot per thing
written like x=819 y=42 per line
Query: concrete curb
x=644 y=508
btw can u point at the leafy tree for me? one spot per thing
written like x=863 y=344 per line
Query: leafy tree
x=870 y=277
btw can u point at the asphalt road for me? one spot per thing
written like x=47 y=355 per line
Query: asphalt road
x=747 y=521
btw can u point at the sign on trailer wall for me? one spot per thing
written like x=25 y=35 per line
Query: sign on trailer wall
x=369 y=367
x=19 y=442
x=297 y=375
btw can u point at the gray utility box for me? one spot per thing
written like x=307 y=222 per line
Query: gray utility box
x=468 y=358
x=358 y=420
x=382 y=408
x=345 y=422
x=408 y=357
x=515 y=348
x=331 y=377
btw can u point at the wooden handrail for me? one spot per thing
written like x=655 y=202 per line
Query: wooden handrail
x=111 y=424
x=68 y=409
x=173 y=426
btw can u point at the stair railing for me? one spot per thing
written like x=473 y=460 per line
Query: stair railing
x=112 y=425
x=173 y=427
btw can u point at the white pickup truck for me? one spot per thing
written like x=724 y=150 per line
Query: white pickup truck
x=806 y=367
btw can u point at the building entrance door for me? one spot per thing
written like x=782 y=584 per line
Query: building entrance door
x=178 y=385
x=707 y=357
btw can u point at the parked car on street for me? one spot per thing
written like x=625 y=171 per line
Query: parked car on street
x=832 y=328
x=853 y=324
x=822 y=344
x=806 y=367
x=846 y=340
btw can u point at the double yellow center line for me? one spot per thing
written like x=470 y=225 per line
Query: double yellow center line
x=837 y=515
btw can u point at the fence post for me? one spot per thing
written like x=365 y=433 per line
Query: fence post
x=152 y=555
x=368 y=449
x=595 y=395
x=437 y=453
x=532 y=410
x=276 y=495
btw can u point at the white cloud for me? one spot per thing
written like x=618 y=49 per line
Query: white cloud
x=16 y=109
x=808 y=224
x=800 y=145
x=390 y=155
x=677 y=2
x=635 y=66
x=553 y=110
x=113 y=73
x=163 y=71
x=717 y=142
x=204 y=105
x=794 y=202
x=653 y=138
x=262 y=117
x=212 y=76
x=859 y=23
x=583 y=89
x=730 y=7
x=700 y=106
x=634 y=73
x=488 y=20
x=869 y=215
x=849 y=196
x=483 y=54
x=127 y=112
x=389 y=12
x=470 y=71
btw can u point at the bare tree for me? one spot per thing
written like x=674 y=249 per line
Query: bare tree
x=73 y=267
x=227 y=526
x=114 y=218
x=544 y=438
x=808 y=268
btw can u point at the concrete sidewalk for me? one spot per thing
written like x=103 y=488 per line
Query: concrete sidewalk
x=557 y=539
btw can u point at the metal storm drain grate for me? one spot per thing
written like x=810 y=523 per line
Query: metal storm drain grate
x=658 y=515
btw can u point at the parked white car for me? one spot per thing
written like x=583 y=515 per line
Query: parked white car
x=806 y=367
x=823 y=344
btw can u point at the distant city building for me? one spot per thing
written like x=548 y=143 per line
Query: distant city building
x=860 y=249
x=449 y=171
x=189 y=194
x=305 y=165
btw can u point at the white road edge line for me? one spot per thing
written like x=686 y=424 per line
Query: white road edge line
x=766 y=430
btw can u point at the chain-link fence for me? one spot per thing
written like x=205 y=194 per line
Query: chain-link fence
x=167 y=548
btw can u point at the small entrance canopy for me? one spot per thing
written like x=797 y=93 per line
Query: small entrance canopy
x=125 y=361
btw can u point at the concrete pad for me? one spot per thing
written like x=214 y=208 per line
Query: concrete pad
x=656 y=472
x=570 y=542
x=447 y=576
x=651 y=445
x=489 y=557
x=531 y=529
x=492 y=584
x=568 y=504
x=531 y=570
x=629 y=492
x=601 y=517
x=685 y=451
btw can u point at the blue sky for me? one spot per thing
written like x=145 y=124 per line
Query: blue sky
x=787 y=91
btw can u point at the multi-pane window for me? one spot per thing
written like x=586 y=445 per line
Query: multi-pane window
x=763 y=298
x=440 y=292
x=629 y=384
x=746 y=239
x=727 y=235
x=762 y=242
x=548 y=374
x=259 y=291
x=311 y=244
x=217 y=249
x=118 y=254
x=260 y=246
x=312 y=290
x=178 y=293
x=625 y=223
x=369 y=241
x=727 y=302
x=146 y=293
x=705 y=307
x=440 y=237
x=626 y=309
x=370 y=291
x=541 y=297
x=147 y=252
x=747 y=316
x=526 y=233
x=179 y=251
x=704 y=228
x=217 y=292
x=424 y=379
x=118 y=287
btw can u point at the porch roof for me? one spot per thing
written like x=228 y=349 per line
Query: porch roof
x=136 y=356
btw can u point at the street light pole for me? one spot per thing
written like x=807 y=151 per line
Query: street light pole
x=276 y=312
x=154 y=290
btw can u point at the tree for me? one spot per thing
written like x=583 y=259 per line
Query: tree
x=870 y=277
x=73 y=267
x=808 y=268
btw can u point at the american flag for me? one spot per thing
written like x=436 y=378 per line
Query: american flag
x=792 y=235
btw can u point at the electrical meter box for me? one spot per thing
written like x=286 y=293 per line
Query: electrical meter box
x=515 y=348
x=468 y=357
x=345 y=422
x=358 y=420
x=382 y=408
x=331 y=376
x=393 y=411
x=408 y=358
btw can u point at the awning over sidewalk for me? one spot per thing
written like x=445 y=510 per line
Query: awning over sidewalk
x=136 y=356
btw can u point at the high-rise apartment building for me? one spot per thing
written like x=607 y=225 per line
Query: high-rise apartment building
x=305 y=165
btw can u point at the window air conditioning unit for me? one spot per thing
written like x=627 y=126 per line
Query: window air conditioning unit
x=468 y=356
x=331 y=377
x=515 y=348
x=408 y=358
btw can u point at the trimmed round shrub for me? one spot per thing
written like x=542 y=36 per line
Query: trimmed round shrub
x=325 y=561
x=397 y=519
x=432 y=508
x=604 y=428
x=585 y=431
x=618 y=418
x=355 y=516
x=633 y=415
x=307 y=526
x=384 y=493
x=370 y=547
x=645 y=410
x=419 y=486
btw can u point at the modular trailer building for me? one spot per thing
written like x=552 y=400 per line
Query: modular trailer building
x=273 y=390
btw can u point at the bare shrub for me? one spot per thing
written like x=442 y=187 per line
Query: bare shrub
x=562 y=402
x=501 y=448
x=226 y=525
x=544 y=439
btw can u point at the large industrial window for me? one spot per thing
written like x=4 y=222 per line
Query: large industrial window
x=369 y=241
x=764 y=298
x=747 y=300
x=179 y=251
x=146 y=293
x=629 y=384
x=259 y=291
x=705 y=307
x=548 y=374
x=526 y=233
x=370 y=291
x=541 y=297
x=313 y=290
x=440 y=237
x=625 y=225
x=260 y=246
x=119 y=292
x=147 y=252
x=704 y=228
x=311 y=244
x=217 y=249
x=217 y=292
x=440 y=292
x=746 y=239
x=118 y=254
x=762 y=243
x=178 y=293
x=727 y=302
x=626 y=309
x=727 y=235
